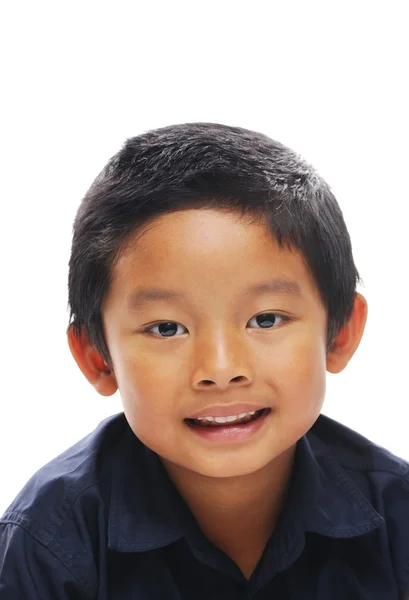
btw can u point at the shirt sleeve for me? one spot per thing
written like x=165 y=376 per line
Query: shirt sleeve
x=30 y=571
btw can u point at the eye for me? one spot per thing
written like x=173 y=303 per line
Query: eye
x=165 y=329
x=267 y=320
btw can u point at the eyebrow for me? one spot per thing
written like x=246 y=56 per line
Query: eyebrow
x=141 y=297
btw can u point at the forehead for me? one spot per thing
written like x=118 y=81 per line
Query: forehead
x=208 y=250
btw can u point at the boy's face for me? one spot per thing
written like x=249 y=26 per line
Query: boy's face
x=215 y=349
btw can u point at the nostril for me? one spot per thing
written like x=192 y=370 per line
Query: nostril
x=208 y=382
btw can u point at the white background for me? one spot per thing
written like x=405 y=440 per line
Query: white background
x=328 y=79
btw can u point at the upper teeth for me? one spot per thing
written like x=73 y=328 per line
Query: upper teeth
x=230 y=419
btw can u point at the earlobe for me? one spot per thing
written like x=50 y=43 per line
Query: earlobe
x=348 y=339
x=91 y=363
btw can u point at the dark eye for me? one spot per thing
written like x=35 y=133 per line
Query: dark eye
x=166 y=329
x=266 y=320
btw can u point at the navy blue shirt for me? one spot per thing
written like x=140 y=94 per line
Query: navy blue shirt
x=103 y=521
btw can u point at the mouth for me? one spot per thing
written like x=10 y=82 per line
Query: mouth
x=237 y=424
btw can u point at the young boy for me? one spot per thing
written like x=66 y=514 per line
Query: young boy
x=212 y=282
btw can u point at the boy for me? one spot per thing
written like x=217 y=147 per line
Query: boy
x=212 y=282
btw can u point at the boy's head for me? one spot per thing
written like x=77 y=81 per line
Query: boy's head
x=211 y=267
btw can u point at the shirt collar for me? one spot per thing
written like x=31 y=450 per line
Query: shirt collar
x=324 y=497
x=146 y=511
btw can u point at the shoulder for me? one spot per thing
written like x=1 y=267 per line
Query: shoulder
x=58 y=483
x=378 y=475
x=358 y=455
x=60 y=510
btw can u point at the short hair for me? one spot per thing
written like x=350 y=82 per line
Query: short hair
x=208 y=165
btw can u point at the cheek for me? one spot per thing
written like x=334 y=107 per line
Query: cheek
x=298 y=372
x=152 y=393
x=148 y=383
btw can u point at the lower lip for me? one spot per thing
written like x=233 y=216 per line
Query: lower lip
x=232 y=433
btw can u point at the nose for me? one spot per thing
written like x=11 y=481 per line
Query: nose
x=222 y=363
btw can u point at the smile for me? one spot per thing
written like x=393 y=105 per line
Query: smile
x=216 y=421
x=230 y=428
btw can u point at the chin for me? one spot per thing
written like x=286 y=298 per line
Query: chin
x=222 y=469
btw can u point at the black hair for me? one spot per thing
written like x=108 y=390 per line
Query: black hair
x=207 y=165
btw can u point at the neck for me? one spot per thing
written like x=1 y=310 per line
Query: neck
x=230 y=510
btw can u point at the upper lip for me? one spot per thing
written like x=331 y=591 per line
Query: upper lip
x=226 y=410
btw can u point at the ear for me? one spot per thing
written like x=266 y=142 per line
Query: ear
x=348 y=339
x=91 y=363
